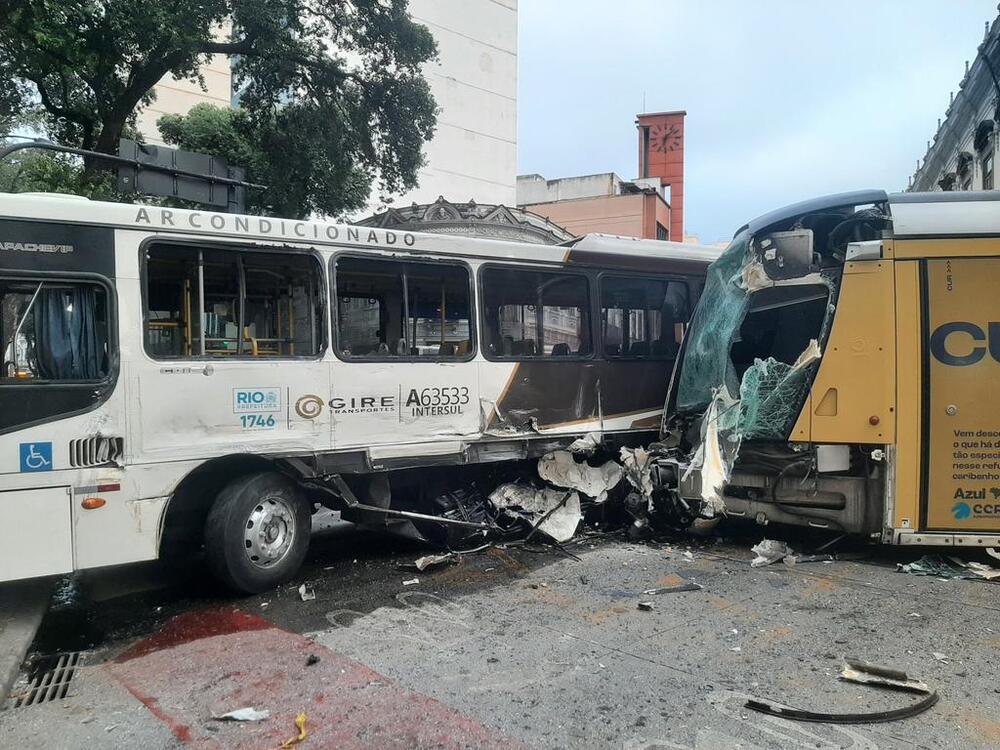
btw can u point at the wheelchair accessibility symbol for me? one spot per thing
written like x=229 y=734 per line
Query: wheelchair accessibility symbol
x=36 y=457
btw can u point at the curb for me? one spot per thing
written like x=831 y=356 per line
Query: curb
x=23 y=604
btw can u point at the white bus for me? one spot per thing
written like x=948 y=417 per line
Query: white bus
x=187 y=376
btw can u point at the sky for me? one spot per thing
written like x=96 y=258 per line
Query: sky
x=785 y=100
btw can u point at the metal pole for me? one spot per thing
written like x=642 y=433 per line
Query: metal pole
x=312 y=317
x=406 y=314
x=20 y=323
x=242 y=304
x=201 y=300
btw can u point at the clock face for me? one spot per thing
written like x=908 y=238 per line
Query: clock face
x=665 y=138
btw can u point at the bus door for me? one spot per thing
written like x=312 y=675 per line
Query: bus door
x=404 y=340
x=236 y=342
x=962 y=416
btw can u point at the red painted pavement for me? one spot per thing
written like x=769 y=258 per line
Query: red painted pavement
x=211 y=662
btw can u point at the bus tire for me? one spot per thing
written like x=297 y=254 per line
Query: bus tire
x=257 y=532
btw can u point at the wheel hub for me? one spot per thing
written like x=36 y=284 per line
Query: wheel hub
x=268 y=532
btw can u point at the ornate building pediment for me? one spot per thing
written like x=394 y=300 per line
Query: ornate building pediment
x=471 y=219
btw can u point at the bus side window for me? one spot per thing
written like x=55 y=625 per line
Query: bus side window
x=215 y=302
x=55 y=331
x=535 y=313
x=388 y=308
x=643 y=318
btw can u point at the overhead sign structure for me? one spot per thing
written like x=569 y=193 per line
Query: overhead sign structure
x=186 y=175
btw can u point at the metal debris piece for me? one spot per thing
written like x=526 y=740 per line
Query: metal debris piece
x=689 y=586
x=585 y=445
x=646 y=606
x=411 y=582
x=431 y=561
x=870 y=674
x=244 y=714
x=940 y=656
x=561 y=469
x=982 y=570
x=769 y=551
x=555 y=512
x=637 y=468
x=864 y=674
x=306 y=594
x=796 y=559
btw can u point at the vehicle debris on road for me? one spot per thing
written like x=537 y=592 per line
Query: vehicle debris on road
x=554 y=512
x=244 y=714
x=300 y=724
x=863 y=674
x=306 y=593
x=769 y=551
x=433 y=561
x=950 y=568
x=688 y=586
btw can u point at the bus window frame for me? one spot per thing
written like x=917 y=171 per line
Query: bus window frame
x=692 y=300
x=384 y=358
x=323 y=344
x=587 y=275
x=106 y=386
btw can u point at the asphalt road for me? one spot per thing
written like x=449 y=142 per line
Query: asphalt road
x=512 y=647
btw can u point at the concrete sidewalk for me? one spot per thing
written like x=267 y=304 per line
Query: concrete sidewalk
x=22 y=606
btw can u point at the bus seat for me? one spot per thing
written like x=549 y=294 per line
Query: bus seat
x=447 y=349
x=508 y=345
x=560 y=350
x=639 y=348
x=664 y=347
x=611 y=350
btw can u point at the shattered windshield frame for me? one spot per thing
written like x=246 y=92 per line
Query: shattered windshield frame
x=707 y=366
x=762 y=398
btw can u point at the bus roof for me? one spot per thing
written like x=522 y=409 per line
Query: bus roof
x=591 y=249
x=914 y=215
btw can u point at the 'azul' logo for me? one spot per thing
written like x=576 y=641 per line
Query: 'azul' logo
x=961 y=511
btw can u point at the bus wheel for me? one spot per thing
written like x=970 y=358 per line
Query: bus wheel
x=257 y=532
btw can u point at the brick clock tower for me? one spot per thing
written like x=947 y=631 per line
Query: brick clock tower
x=661 y=154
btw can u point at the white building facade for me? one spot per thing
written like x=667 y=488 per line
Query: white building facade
x=963 y=152
x=473 y=154
x=474 y=81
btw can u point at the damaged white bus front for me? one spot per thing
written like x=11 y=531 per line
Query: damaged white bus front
x=733 y=441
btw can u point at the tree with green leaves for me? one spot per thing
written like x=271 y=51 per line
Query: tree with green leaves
x=331 y=97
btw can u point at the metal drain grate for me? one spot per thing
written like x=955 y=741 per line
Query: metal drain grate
x=48 y=679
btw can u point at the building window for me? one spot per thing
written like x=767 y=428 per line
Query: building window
x=987 y=165
x=211 y=302
x=535 y=313
x=643 y=317
x=391 y=309
x=661 y=232
x=53 y=331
